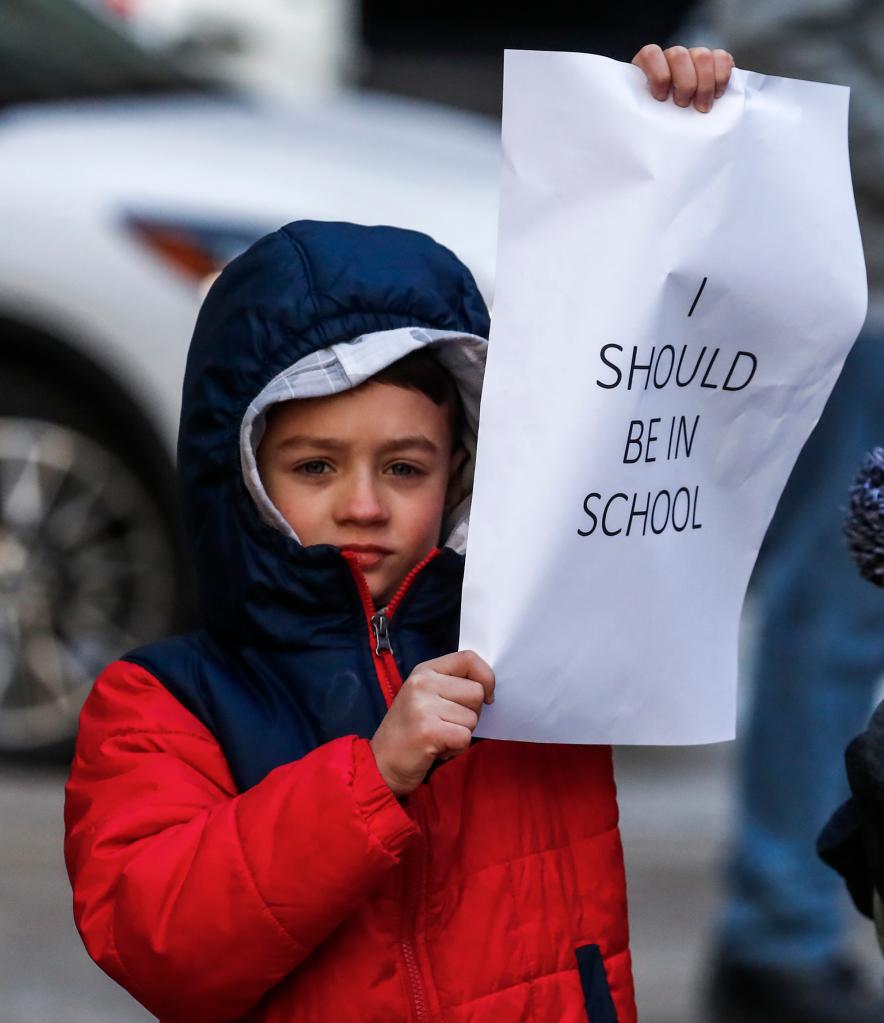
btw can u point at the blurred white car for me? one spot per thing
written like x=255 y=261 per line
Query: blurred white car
x=118 y=208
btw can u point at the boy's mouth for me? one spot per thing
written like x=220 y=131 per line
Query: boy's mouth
x=368 y=555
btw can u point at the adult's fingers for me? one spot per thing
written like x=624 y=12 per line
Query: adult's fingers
x=704 y=66
x=724 y=64
x=652 y=61
x=684 y=75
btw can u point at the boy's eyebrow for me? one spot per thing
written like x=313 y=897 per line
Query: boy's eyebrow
x=417 y=441
x=303 y=440
x=298 y=440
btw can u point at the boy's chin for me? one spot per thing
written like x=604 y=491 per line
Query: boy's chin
x=383 y=586
x=385 y=579
x=381 y=594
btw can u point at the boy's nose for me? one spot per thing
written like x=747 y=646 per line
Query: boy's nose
x=362 y=502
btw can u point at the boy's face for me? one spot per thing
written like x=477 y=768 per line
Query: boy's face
x=370 y=470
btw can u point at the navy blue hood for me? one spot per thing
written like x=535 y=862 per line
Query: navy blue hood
x=283 y=662
x=298 y=290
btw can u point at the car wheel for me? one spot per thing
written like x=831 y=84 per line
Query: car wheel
x=87 y=570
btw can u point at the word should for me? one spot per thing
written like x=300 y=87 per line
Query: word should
x=621 y=514
x=663 y=367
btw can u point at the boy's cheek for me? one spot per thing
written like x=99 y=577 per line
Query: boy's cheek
x=299 y=511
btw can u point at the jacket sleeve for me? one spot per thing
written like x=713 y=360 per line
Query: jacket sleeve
x=193 y=897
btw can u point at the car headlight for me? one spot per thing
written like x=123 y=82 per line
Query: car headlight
x=198 y=250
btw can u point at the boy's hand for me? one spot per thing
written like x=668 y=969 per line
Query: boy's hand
x=432 y=717
x=694 y=74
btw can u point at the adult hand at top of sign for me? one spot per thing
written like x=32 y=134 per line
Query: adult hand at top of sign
x=697 y=74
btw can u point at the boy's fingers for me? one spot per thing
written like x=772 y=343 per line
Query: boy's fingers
x=724 y=64
x=455 y=739
x=479 y=671
x=463 y=664
x=651 y=60
x=704 y=66
x=684 y=75
x=465 y=691
x=458 y=714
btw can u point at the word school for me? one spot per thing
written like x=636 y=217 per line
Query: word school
x=655 y=511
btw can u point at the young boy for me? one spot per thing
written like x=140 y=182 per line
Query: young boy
x=263 y=821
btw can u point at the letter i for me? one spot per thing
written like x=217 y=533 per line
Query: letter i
x=671 y=431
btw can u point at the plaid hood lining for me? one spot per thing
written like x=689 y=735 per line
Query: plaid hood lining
x=346 y=365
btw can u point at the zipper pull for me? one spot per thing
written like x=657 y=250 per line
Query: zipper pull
x=381 y=627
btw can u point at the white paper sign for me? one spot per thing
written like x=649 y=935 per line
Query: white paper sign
x=676 y=293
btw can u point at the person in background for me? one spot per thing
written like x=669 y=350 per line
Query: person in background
x=853 y=841
x=781 y=951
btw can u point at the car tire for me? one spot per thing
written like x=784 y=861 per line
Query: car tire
x=90 y=559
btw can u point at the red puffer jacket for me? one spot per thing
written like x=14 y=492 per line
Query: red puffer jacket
x=494 y=893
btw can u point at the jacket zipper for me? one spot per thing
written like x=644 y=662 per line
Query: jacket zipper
x=391 y=681
x=415 y=897
x=379 y=623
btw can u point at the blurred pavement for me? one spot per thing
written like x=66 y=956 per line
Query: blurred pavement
x=675 y=812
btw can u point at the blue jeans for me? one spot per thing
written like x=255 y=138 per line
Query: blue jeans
x=820 y=653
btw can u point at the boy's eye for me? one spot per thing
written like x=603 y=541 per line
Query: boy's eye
x=404 y=469
x=315 y=467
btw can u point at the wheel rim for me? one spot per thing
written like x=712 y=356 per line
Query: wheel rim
x=86 y=573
